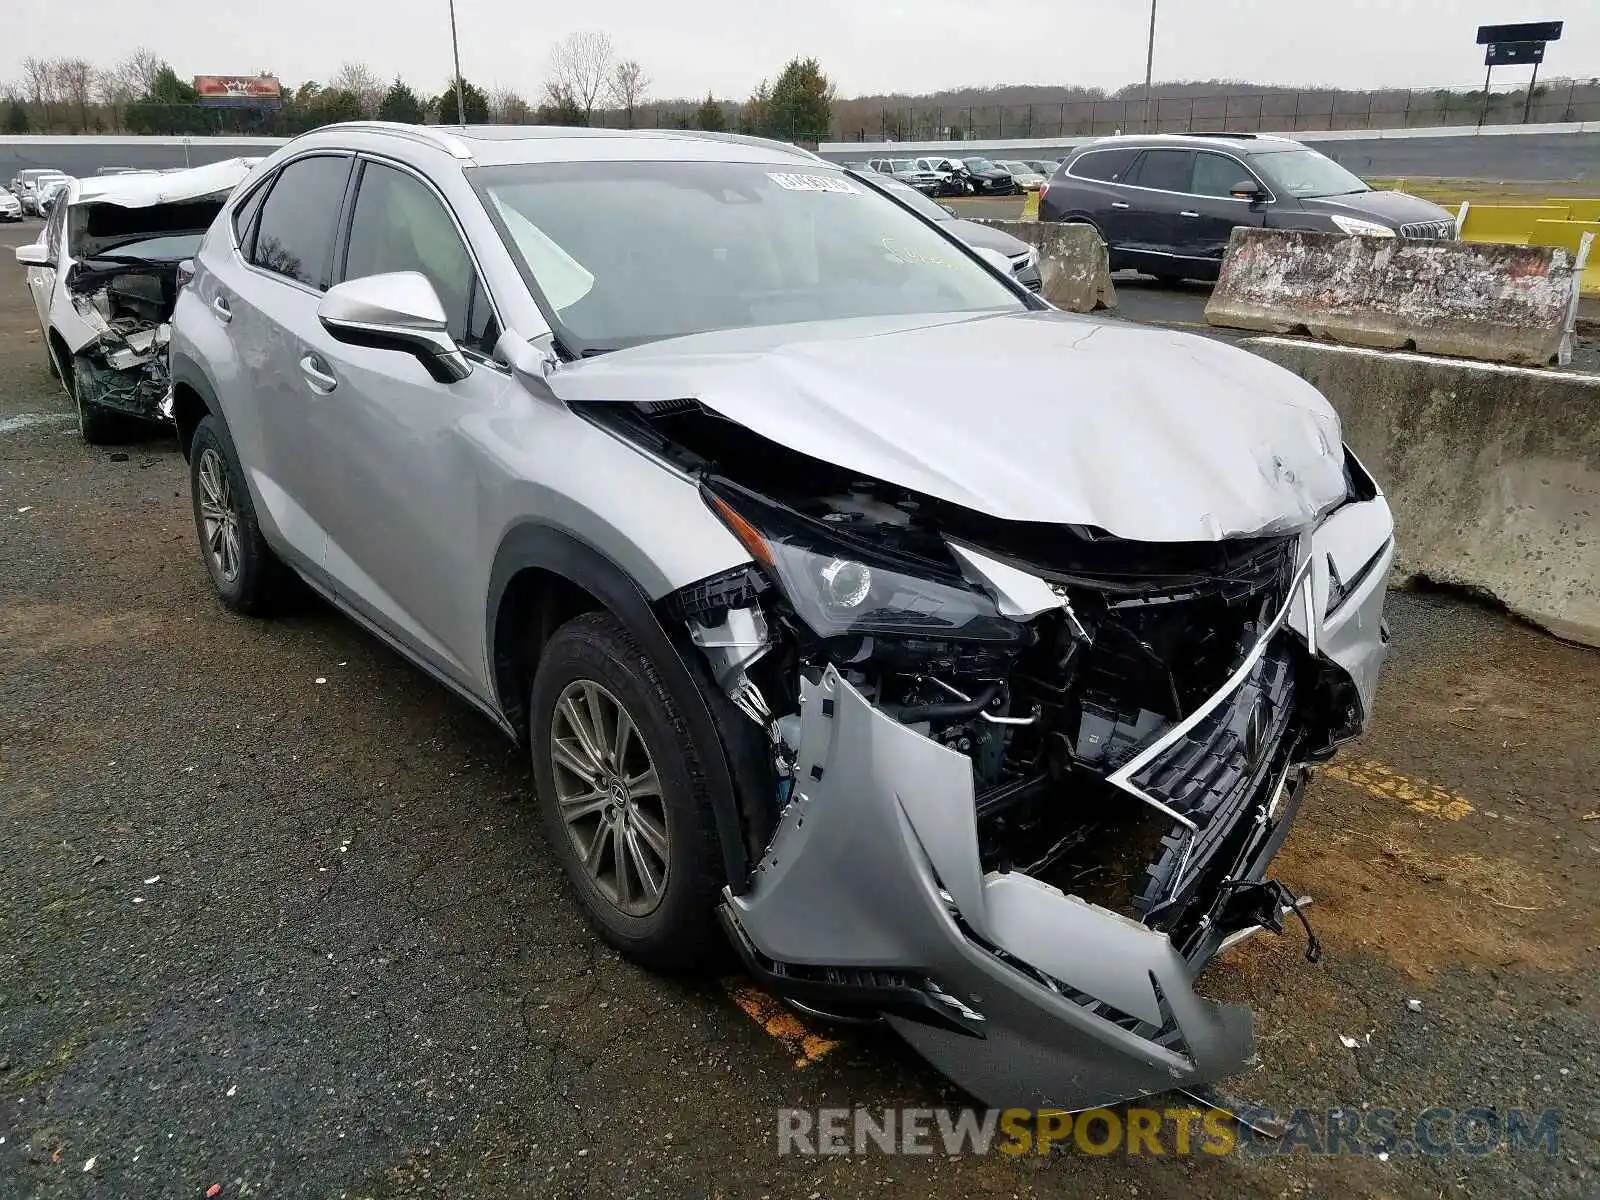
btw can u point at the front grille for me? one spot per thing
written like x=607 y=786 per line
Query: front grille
x=1429 y=230
x=1034 y=285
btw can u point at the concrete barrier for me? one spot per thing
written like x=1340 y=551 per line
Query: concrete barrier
x=1074 y=266
x=1497 y=303
x=1493 y=472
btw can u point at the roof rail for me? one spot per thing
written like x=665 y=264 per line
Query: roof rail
x=1248 y=137
x=431 y=135
x=744 y=139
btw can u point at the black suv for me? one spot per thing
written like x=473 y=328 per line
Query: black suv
x=1166 y=204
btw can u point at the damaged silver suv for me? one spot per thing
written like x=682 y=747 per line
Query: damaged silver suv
x=977 y=710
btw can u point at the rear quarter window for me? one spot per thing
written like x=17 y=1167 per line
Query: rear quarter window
x=1106 y=166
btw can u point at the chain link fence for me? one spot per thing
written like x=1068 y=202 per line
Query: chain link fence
x=1243 y=112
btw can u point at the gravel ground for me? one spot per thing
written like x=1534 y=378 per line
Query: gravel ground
x=275 y=914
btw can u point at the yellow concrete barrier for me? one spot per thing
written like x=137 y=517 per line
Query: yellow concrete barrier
x=1030 y=206
x=1578 y=209
x=1508 y=223
x=1567 y=235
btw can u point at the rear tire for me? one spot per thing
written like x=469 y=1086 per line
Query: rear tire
x=624 y=796
x=248 y=577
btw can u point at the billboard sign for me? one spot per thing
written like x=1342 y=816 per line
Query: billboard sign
x=235 y=91
x=1535 y=31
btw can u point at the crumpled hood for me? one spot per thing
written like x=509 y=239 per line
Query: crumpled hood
x=1149 y=434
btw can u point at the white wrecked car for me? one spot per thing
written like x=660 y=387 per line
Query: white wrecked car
x=105 y=275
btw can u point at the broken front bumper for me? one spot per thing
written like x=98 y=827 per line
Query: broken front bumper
x=871 y=893
x=873 y=878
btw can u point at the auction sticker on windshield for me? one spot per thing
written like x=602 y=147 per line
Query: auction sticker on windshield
x=811 y=183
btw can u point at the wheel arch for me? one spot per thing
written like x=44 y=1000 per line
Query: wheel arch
x=543 y=577
x=193 y=399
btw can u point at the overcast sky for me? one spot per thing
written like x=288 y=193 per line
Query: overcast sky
x=866 y=46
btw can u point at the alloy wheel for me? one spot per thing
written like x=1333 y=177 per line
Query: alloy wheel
x=609 y=797
x=219 y=516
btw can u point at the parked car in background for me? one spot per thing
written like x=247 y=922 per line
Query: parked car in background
x=951 y=174
x=1167 y=204
x=1043 y=166
x=1025 y=177
x=105 y=275
x=984 y=178
x=906 y=171
x=49 y=191
x=697 y=465
x=1024 y=259
x=10 y=207
x=28 y=183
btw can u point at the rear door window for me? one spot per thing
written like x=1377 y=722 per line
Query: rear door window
x=294 y=237
x=1165 y=170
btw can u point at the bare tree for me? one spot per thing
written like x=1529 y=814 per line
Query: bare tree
x=507 y=107
x=75 y=84
x=580 y=65
x=627 y=86
x=39 y=83
x=362 y=82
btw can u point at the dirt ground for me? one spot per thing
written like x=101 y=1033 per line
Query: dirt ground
x=275 y=915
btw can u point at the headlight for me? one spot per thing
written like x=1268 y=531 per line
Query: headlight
x=1364 y=228
x=839 y=586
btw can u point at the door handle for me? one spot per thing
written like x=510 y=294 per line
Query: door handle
x=1188 y=213
x=321 y=380
x=1120 y=204
x=220 y=309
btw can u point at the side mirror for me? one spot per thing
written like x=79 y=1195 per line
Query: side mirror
x=1247 y=189
x=398 y=311
x=36 y=254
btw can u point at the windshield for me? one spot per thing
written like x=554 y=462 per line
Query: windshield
x=1307 y=174
x=628 y=252
x=1017 y=168
x=903 y=164
x=980 y=164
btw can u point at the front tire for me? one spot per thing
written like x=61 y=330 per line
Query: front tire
x=96 y=426
x=624 y=796
x=247 y=576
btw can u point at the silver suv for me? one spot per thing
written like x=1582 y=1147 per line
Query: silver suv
x=977 y=708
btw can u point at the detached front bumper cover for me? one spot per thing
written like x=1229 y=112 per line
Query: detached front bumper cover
x=1053 y=1001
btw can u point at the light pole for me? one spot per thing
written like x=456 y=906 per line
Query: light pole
x=455 y=49
x=1149 y=63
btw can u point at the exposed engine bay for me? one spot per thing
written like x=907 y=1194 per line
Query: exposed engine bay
x=1049 y=705
x=124 y=286
x=129 y=307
